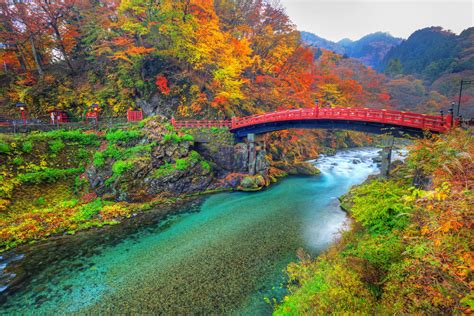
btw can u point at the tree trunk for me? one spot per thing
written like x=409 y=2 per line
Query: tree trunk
x=36 y=57
x=62 y=48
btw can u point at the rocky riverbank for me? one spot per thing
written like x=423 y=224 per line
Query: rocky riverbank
x=403 y=254
x=62 y=182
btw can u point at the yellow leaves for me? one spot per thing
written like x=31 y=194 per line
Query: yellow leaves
x=425 y=230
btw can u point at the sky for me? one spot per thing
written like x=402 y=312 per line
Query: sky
x=338 y=19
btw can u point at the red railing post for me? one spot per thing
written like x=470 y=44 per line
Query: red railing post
x=449 y=119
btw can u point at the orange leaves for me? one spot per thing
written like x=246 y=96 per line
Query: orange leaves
x=27 y=80
x=131 y=52
x=9 y=59
x=162 y=84
x=139 y=50
x=122 y=41
x=219 y=101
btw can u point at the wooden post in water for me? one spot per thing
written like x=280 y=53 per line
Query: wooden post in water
x=386 y=156
x=252 y=153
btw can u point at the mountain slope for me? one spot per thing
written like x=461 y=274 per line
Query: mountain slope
x=314 y=40
x=429 y=51
x=370 y=49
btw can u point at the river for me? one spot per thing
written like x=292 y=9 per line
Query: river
x=224 y=258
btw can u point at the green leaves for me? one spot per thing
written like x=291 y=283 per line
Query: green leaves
x=47 y=175
x=379 y=205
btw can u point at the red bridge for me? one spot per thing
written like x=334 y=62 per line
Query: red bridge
x=360 y=119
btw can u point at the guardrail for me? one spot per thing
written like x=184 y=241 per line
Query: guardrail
x=36 y=125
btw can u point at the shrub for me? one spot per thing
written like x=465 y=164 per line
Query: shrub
x=194 y=156
x=138 y=149
x=56 y=146
x=48 y=175
x=82 y=154
x=187 y=137
x=121 y=135
x=99 y=159
x=27 y=146
x=330 y=288
x=205 y=165
x=164 y=170
x=18 y=161
x=380 y=250
x=121 y=166
x=40 y=201
x=72 y=136
x=172 y=137
x=182 y=164
x=88 y=210
x=4 y=147
x=79 y=184
x=379 y=205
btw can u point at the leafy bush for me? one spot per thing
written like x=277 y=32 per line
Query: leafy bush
x=164 y=170
x=187 y=137
x=379 y=205
x=82 y=153
x=27 y=146
x=121 y=135
x=205 y=165
x=99 y=159
x=40 y=201
x=18 y=161
x=380 y=250
x=182 y=164
x=139 y=149
x=56 y=146
x=4 y=147
x=71 y=136
x=172 y=137
x=329 y=287
x=88 y=210
x=79 y=184
x=121 y=166
x=48 y=175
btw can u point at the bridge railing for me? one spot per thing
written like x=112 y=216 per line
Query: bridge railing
x=201 y=123
x=422 y=121
x=400 y=118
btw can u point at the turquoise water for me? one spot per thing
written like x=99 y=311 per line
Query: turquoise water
x=225 y=258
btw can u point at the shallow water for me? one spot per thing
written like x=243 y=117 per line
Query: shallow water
x=224 y=259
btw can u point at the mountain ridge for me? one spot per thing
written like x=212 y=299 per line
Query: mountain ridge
x=369 y=49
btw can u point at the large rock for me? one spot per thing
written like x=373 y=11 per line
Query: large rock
x=225 y=158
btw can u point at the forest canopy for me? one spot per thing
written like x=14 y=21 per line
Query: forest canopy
x=190 y=58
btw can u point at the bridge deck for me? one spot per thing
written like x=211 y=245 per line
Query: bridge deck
x=438 y=124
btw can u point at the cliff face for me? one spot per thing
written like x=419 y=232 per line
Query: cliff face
x=165 y=162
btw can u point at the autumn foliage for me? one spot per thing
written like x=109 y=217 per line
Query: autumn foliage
x=222 y=58
x=409 y=250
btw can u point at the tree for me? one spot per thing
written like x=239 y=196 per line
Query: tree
x=394 y=68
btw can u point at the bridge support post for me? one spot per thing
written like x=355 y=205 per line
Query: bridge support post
x=252 y=154
x=386 y=156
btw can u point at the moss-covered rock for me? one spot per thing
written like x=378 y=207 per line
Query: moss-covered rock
x=252 y=183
